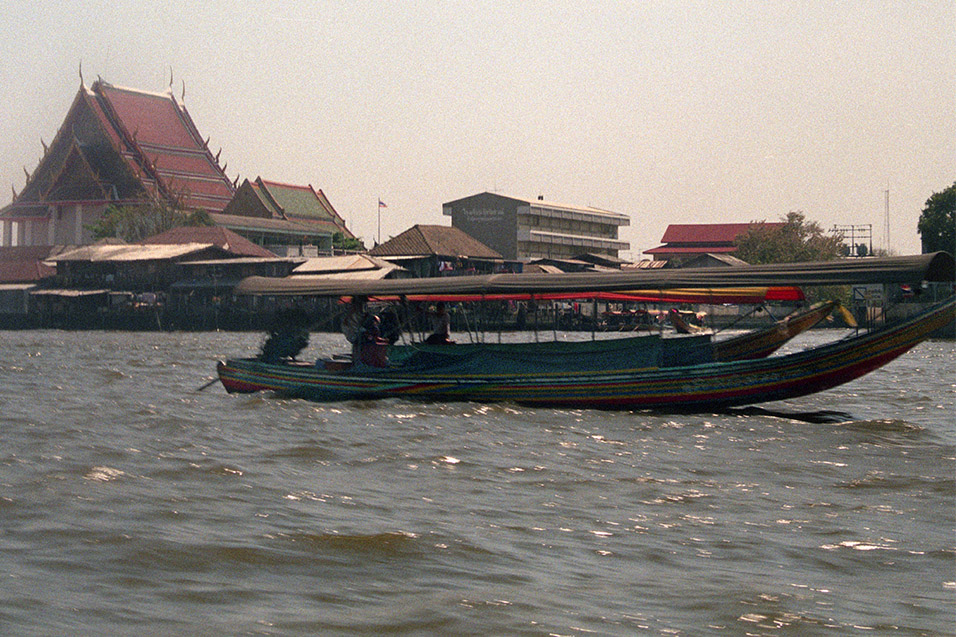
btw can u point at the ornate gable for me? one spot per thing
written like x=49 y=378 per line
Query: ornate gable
x=118 y=143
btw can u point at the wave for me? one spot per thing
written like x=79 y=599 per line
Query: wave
x=883 y=426
x=307 y=451
x=823 y=416
x=388 y=542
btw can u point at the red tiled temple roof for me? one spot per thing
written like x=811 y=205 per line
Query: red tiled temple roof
x=681 y=239
x=151 y=118
x=161 y=139
x=131 y=144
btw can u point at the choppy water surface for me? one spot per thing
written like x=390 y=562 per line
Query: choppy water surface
x=130 y=503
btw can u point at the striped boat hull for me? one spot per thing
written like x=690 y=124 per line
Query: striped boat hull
x=705 y=386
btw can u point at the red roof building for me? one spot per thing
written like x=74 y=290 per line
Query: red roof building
x=116 y=146
x=683 y=242
x=27 y=264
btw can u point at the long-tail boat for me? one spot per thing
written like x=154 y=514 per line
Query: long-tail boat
x=643 y=384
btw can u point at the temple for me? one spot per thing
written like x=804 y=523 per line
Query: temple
x=287 y=219
x=126 y=147
x=117 y=146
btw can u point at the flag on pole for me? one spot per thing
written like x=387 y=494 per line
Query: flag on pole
x=381 y=204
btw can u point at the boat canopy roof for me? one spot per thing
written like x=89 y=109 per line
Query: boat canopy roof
x=912 y=270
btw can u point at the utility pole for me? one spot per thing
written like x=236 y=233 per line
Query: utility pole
x=886 y=220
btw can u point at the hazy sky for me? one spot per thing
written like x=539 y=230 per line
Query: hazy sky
x=669 y=112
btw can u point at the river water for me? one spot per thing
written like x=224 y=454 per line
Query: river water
x=133 y=504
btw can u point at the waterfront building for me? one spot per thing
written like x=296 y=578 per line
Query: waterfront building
x=165 y=282
x=684 y=242
x=27 y=264
x=116 y=146
x=525 y=229
x=431 y=250
x=356 y=267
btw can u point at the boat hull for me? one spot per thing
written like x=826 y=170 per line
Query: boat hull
x=691 y=387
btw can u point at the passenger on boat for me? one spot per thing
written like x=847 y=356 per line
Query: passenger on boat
x=373 y=349
x=441 y=326
x=364 y=331
x=352 y=324
x=391 y=327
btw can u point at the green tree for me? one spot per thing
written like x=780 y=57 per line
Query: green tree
x=133 y=223
x=341 y=242
x=937 y=222
x=797 y=240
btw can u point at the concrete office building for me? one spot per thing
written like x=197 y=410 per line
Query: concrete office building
x=523 y=229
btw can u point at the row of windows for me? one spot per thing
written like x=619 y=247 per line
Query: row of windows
x=569 y=226
x=535 y=250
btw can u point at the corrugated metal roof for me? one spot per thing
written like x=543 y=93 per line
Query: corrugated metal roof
x=351 y=266
x=341 y=263
x=726 y=259
x=241 y=261
x=544 y=268
x=645 y=264
x=131 y=252
x=356 y=275
x=216 y=235
x=443 y=241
